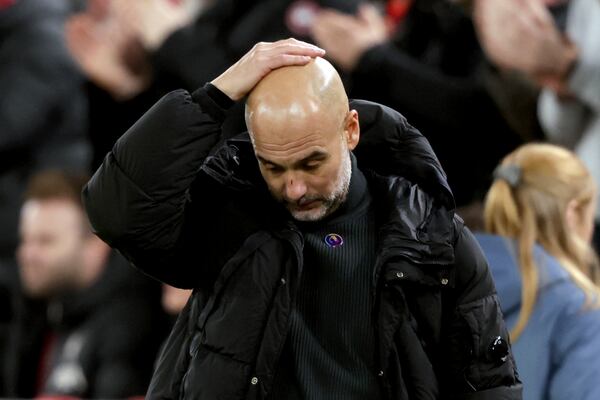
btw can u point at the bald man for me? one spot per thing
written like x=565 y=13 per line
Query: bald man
x=299 y=122
x=321 y=268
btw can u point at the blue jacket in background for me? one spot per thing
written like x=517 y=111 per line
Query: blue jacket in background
x=558 y=353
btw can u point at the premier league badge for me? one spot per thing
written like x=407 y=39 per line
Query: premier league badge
x=333 y=240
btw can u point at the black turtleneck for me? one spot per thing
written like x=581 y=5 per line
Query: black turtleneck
x=330 y=348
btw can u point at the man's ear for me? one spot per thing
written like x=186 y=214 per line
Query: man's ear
x=352 y=129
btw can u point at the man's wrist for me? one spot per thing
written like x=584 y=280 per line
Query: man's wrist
x=212 y=101
x=223 y=86
x=218 y=96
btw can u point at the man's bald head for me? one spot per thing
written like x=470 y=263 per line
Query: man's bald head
x=303 y=132
x=295 y=95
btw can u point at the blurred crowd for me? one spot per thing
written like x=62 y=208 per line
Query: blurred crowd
x=480 y=79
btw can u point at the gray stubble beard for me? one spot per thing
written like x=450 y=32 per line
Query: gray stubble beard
x=336 y=198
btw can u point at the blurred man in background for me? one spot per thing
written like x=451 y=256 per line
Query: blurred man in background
x=43 y=116
x=87 y=324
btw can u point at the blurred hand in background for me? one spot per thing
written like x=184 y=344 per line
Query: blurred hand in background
x=347 y=37
x=522 y=35
x=111 y=40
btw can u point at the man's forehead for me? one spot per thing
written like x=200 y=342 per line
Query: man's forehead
x=286 y=104
x=286 y=134
x=288 y=142
x=294 y=159
x=314 y=146
x=289 y=116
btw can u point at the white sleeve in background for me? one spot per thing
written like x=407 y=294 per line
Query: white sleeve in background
x=583 y=27
x=563 y=121
x=576 y=123
x=588 y=149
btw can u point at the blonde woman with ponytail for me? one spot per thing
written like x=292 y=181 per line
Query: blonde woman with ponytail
x=539 y=213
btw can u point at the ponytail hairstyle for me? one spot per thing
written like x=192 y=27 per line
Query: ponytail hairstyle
x=528 y=201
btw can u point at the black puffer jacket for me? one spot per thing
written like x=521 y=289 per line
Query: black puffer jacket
x=208 y=222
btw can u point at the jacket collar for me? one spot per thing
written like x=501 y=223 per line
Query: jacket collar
x=411 y=224
x=410 y=185
x=405 y=176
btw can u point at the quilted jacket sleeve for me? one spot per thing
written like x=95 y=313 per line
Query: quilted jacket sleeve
x=136 y=200
x=479 y=355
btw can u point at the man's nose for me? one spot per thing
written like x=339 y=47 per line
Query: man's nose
x=295 y=188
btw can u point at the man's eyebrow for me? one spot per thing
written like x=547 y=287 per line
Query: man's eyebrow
x=316 y=155
x=265 y=161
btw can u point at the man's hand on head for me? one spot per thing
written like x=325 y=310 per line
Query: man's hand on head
x=264 y=57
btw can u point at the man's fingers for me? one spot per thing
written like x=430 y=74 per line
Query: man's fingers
x=241 y=77
x=278 y=54
x=286 y=53
x=285 y=60
x=295 y=47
